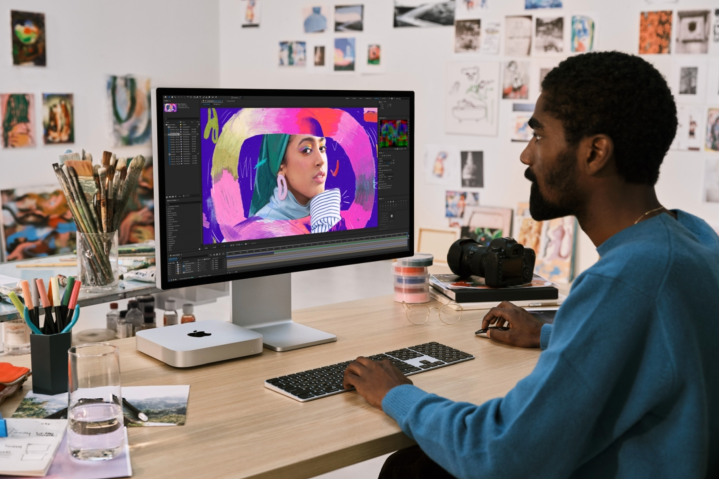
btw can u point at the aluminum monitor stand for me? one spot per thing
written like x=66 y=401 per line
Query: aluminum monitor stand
x=264 y=305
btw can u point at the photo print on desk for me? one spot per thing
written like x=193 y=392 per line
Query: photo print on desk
x=518 y=36
x=441 y=165
x=583 y=31
x=711 y=143
x=470 y=8
x=693 y=31
x=689 y=128
x=516 y=80
x=293 y=54
x=711 y=180
x=456 y=202
x=36 y=222
x=349 y=18
x=423 y=13
x=490 y=38
x=655 y=32
x=549 y=35
x=250 y=10
x=314 y=19
x=533 y=4
x=520 y=130
x=345 y=54
x=467 y=35
x=28 y=38
x=17 y=111
x=130 y=119
x=58 y=118
x=472 y=169
x=471 y=103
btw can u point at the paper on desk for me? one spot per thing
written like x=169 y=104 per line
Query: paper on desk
x=30 y=446
x=65 y=466
x=164 y=405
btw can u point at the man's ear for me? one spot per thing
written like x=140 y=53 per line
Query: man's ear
x=596 y=155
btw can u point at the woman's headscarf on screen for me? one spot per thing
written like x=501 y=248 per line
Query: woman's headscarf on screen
x=272 y=152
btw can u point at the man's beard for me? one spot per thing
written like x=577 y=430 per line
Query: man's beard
x=561 y=179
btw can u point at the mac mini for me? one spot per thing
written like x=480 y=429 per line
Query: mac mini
x=194 y=344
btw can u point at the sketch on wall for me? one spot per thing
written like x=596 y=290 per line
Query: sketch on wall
x=17 y=111
x=516 y=80
x=490 y=38
x=128 y=100
x=423 y=13
x=441 y=165
x=583 y=31
x=549 y=35
x=518 y=36
x=467 y=35
x=655 y=32
x=689 y=128
x=693 y=31
x=471 y=98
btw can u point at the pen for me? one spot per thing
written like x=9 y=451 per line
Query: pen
x=57 y=304
x=36 y=302
x=28 y=298
x=135 y=411
x=46 y=328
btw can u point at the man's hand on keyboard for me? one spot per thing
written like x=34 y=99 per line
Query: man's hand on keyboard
x=373 y=379
x=524 y=329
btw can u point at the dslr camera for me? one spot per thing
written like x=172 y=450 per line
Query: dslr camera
x=504 y=262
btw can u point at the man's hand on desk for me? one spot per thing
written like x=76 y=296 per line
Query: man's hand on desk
x=373 y=379
x=524 y=329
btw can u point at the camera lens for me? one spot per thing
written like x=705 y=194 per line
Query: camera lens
x=465 y=258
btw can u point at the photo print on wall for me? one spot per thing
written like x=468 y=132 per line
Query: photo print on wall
x=250 y=13
x=655 y=32
x=533 y=4
x=28 y=38
x=690 y=126
x=441 y=165
x=583 y=29
x=549 y=35
x=293 y=54
x=423 y=13
x=518 y=36
x=472 y=169
x=374 y=54
x=18 y=120
x=467 y=35
x=711 y=143
x=315 y=19
x=688 y=77
x=349 y=18
x=345 y=53
x=319 y=56
x=693 y=31
x=128 y=99
x=516 y=80
x=490 y=38
x=471 y=102
x=485 y=223
x=58 y=118
x=456 y=202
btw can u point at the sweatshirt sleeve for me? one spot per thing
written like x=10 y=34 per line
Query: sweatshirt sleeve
x=544 y=335
x=560 y=415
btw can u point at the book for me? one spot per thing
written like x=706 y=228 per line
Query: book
x=474 y=289
x=30 y=446
x=531 y=303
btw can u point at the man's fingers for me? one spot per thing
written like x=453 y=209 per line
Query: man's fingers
x=350 y=380
x=495 y=315
x=499 y=335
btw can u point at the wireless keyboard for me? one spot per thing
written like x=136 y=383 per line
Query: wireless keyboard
x=327 y=381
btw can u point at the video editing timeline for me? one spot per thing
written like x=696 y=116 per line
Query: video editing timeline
x=189 y=256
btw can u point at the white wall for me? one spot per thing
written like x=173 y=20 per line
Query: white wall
x=174 y=42
x=415 y=60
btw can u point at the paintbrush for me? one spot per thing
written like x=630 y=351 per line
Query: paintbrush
x=80 y=200
x=108 y=189
x=103 y=198
x=82 y=190
x=133 y=176
x=106 y=155
x=69 y=156
x=84 y=176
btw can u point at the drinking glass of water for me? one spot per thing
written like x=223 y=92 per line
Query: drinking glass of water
x=95 y=424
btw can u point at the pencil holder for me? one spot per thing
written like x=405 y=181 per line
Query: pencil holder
x=48 y=355
x=97 y=261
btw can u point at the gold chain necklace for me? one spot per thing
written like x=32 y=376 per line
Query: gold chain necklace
x=648 y=212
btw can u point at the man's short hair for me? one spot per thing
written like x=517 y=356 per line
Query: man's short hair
x=621 y=96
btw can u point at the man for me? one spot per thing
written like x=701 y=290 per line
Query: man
x=627 y=384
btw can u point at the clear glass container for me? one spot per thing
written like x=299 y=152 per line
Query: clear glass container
x=97 y=261
x=95 y=422
x=134 y=316
x=187 y=316
x=170 y=317
x=124 y=329
x=149 y=318
x=16 y=337
x=112 y=316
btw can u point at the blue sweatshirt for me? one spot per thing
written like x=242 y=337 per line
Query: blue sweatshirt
x=627 y=385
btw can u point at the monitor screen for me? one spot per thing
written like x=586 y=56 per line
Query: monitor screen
x=261 y=182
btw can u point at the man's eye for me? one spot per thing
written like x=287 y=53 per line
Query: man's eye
x=536 y=137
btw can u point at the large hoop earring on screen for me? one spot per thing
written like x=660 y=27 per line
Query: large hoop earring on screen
x=281 y=186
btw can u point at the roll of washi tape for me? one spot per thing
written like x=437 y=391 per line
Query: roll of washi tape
x=409 y=270
x=411 y=279
x=414 y=288
x=420 y=259
x=420 y=297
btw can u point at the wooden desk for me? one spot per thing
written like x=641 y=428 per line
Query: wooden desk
x=236 y=428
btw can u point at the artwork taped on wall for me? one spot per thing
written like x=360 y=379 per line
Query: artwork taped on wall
x=549 y=35
x=441 y=165
x=370 y=57
x=520 y=130
x=470 y=8
x=471 y=103
x=472 y=169
x=711 y=143
x=28 y=38
x=532 y=4
x=516 y=80
x=711 y=180
x=456 y=202
x=485 y=223
x=345 y=54
x=250 y=13
x=423 y=13
x=36 y=222
x=58 y=118
x=490 y=38
x=583 y=31
x=314 y=19
x=128 y=99
x=138 y=220
x=293 y=54
x=655 y=32
x=319 y=56
x=689 y=129
x=18 y=120
x=467 y=35
x=349 y=18
x=689 y=76
x=693 y=31
x=518 y=36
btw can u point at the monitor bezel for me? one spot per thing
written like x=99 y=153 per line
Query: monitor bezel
x=159 y=170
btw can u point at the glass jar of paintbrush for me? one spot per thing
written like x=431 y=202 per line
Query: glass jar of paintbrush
x=97 y=196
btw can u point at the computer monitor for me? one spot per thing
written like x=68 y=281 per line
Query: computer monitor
x=251 y=185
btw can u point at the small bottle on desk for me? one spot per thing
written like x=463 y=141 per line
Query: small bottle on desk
x=134 y=316
x=149 y=318
x=124 y=329
x=187 y=316
x=170 y=317
x=112 y=316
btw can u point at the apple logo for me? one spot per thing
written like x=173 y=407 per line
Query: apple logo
x=199 y=334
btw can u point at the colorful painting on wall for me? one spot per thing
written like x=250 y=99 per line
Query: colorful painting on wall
x=250 y=13
x=533 y=4
x=456 y=202
x=138 y=221
x=345 y=53
x=128 y=100
x=582 y=34
x=18 y=120
x=655 y=32
x=314 y=19
x=28 y=38
x=293 y=54
x=36 y=222
x=58 y=118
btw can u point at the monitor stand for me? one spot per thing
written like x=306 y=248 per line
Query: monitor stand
x=264 y=305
